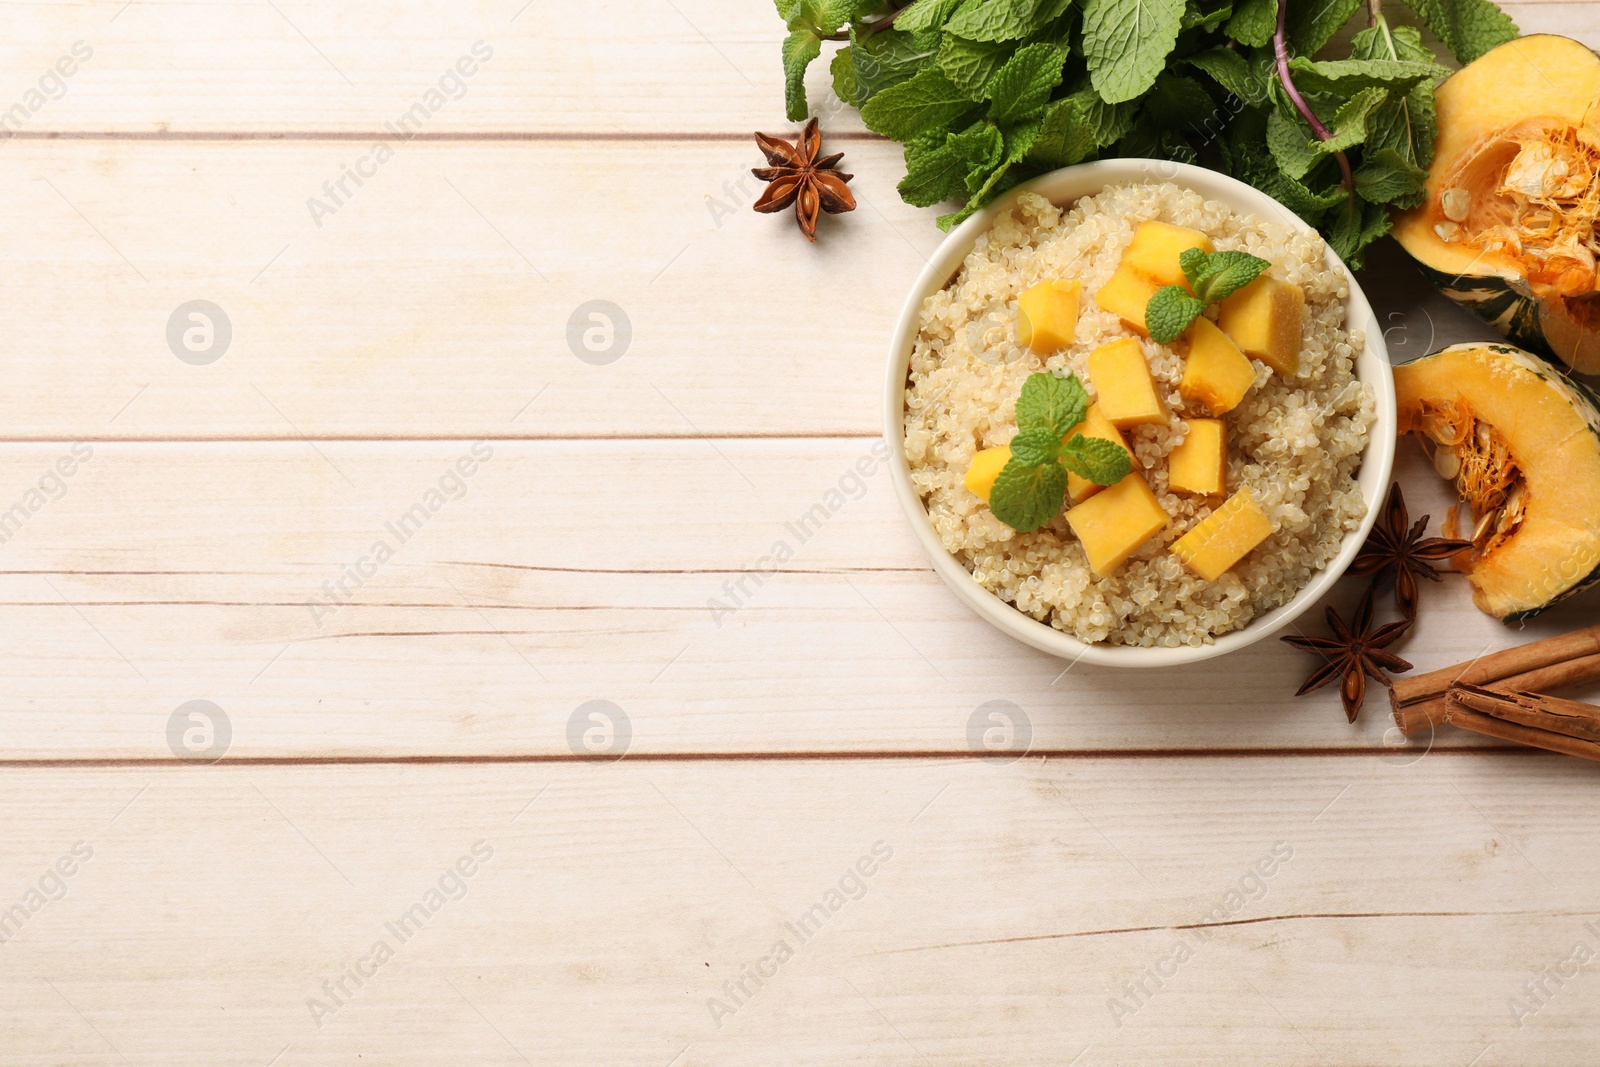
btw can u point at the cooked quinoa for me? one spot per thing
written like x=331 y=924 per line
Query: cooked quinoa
x=1297 y=443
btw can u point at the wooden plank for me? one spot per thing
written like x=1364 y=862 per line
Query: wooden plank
x=559 y=573
x=687 y=65
x=443 y=296
x=1009 y=912
x=697 y=66
x=438 y=300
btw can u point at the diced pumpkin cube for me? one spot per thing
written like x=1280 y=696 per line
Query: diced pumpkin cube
x=1155 y=250
x=1200 y=465
x=1126 y=294
x=1094 y=424
x=1215 y=372
x=1122 y=383
x=1263 y=319
x=1224 y=537
x=1115 y=523
x=1047 y=316
x=985 y=468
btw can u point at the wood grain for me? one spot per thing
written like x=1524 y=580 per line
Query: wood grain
x=676 y=66
x=1016 y=903
x=563 y=572
x=684 y=65
x=439 y=300
x=600 y=154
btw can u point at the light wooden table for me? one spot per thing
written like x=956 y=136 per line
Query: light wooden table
x=400 y=734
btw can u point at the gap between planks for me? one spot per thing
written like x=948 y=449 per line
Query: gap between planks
x=436 y=136
x=402 y=438
x=965 y=755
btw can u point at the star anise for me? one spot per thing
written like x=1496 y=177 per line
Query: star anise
x=798 y=177
x=1396 y=548
x=1354 y=654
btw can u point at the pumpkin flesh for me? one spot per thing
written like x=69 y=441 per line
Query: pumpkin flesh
x=1509 y=224
x=1522 y=444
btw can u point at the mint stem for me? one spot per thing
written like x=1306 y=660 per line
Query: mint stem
x=1280 y=48
x=867 y=28
x=1374 y=12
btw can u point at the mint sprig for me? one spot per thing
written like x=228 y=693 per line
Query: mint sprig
x=1051 y=405
x=1214 y=275
x=1032 y=486
x=985 y=94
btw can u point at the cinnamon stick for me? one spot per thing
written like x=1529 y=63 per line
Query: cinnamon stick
x=1558 y=716
x=1556 y=676
x=1458 y=714
x=1567 y=659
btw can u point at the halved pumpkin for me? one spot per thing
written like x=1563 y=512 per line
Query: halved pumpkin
x=1522 y=443
x=1508 y=228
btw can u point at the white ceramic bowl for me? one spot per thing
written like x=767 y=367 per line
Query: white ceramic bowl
x=1063 y=187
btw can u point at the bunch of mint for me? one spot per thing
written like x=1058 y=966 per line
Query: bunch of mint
x=985 y=94
x=1032 y=486
x=1214 y=276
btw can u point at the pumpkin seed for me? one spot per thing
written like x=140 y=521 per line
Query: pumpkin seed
x=1485 y=525
x=1456 y=203
x=1447 y=463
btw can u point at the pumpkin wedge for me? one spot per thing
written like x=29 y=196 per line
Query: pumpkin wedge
x=1508 y=228
x=1522 y=444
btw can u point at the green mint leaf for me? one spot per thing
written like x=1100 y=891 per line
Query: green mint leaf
x=988 y=179
x=1154 y=139
x=1253 y=22
x=1356 y=226
x=1310 y=204
x=842 y=68
x=1317 y=22
x=1289 y=141
x=1247 y=158
x=1109 y=123
x=1405 y=123
x=1244 y=150
x=837 y=13
x=1034 y=447
x=946 y=223
x=1100 y=461
x=1179 y=102
x=1193 y=263
x=1065 y=136
x=799 y=49
x=918 y=105
x=1349 y=125
x=1226 y=274
x=1469 y=28
x=1197 y=16
x=938 y=172
x=1026 y=498
x=1020 y=140
x=1170 y=312
x=985 y=176
x=1022 y=86
x=1387 y=177
x=972 y=65
x=1232 y=72
x=926 y=15
x=1003 y=20
x=1346 y=77
x=884 y=58
x=1126 y=43
x=1052 y=405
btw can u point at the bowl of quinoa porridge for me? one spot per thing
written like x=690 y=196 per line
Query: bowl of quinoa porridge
x=1258 y=444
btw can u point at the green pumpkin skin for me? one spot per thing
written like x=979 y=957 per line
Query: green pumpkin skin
x=1577 y=396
